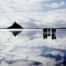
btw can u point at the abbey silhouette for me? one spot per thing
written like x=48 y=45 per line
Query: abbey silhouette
x=15 y=26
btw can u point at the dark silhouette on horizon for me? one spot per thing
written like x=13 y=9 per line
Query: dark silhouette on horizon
x=15 y=26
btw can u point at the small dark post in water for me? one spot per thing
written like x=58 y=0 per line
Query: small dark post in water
x=45 y=33
x=53 y=33
x=48 y=32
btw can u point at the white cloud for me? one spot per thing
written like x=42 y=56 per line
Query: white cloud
x=55 y=5
x=24 y=18
x=19 y=5
x=22 y=11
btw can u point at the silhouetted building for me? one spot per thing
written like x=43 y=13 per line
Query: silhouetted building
x=15 y=26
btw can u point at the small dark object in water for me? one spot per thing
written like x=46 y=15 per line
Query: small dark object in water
x=53 y=33
x=45 y=33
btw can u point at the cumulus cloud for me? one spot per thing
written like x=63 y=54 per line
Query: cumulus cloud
x=24 y=11
x=55 y=5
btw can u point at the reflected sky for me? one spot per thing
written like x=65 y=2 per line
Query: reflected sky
x=29 y=44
